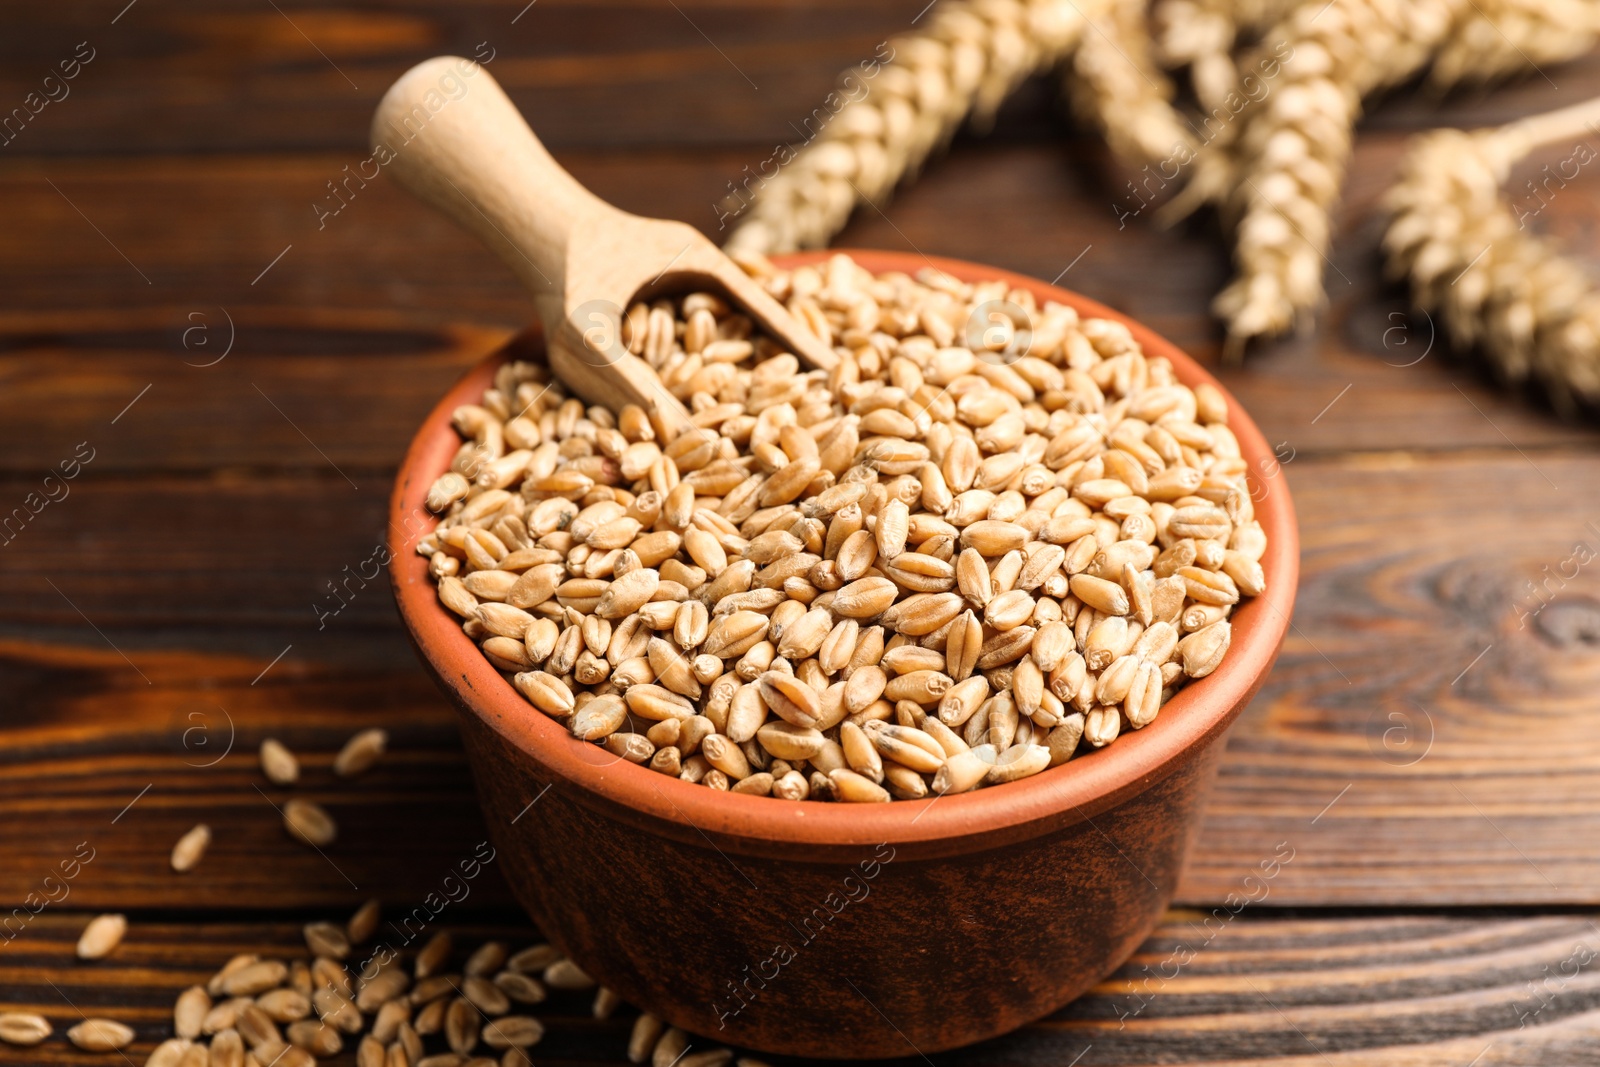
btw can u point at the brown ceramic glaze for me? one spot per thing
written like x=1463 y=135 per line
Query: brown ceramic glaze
x=832 y=929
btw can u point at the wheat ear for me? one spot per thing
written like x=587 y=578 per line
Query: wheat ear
x=1469 y=257
x=1202 y=35
x=971 y=56
x=1494 y=39
x=1277 y=171
x=1114 y=82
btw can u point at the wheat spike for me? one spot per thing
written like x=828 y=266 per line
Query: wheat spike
x=972 y=54
x=1494 y=39
x=1470 y=258
x=1277 y=171
x=1202 y=35
x=1114 y=82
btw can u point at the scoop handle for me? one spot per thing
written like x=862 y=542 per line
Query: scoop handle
x=456 y=141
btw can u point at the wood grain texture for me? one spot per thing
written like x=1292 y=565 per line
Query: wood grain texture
x=1438 y=684
x=188 y=76
x=1255 y=988
x=128 y=768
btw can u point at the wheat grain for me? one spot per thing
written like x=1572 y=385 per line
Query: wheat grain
x=326 y=972
x=565 y=974
x=101 y=937
x=431 y=959
x=317 y=1038
x=278 y=763
x=101 y=1035
x=260 y=1035
x=172 y=1052
x=284 y=1005
x=462 y=1026
x=364 y=923
x=309 y=822
x=367 y=747
x=430 y=1020
x=227 y=1049
x=190 y=1012
x=253 y=977
x=327 y=939
x=388 y=1020
x=520 y=987
x=287 y=1056
x=513 y=1031
x=485 y=995
x=24 y=1028
x=533 y=958
x=389 y=984
x=647 y=1030
x=410 y=1045
x=444 y=1059
x=191 y=847
x=336 y=1010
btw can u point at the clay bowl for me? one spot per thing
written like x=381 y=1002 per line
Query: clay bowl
x=838 y=930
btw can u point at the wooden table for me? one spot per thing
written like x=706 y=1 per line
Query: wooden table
x=245 y=379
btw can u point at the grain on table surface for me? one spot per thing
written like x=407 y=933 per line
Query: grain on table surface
x=1267 y=990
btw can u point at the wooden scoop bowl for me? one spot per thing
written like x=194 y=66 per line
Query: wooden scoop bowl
x=453 y=137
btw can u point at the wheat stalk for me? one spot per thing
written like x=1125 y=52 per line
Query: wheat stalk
x=1469 y=258
x=1115 y=82
x=908 y=101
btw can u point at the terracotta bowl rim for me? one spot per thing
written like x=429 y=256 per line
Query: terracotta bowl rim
x=1061 y=796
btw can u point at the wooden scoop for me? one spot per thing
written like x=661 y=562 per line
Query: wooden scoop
x=448 y=132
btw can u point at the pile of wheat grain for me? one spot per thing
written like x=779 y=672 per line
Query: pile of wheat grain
x=393 y=1004
x=995 y=531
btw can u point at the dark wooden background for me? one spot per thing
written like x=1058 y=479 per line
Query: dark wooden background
x=1427 y=749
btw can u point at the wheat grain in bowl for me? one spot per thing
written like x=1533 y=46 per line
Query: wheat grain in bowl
x=994 y=536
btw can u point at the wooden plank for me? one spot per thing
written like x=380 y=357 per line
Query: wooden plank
x=292 y=396
x=373 y=307
x=623 y=72
x=1429 y=720
x=1257 y=988
x=99 y=759
x=139 y=552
